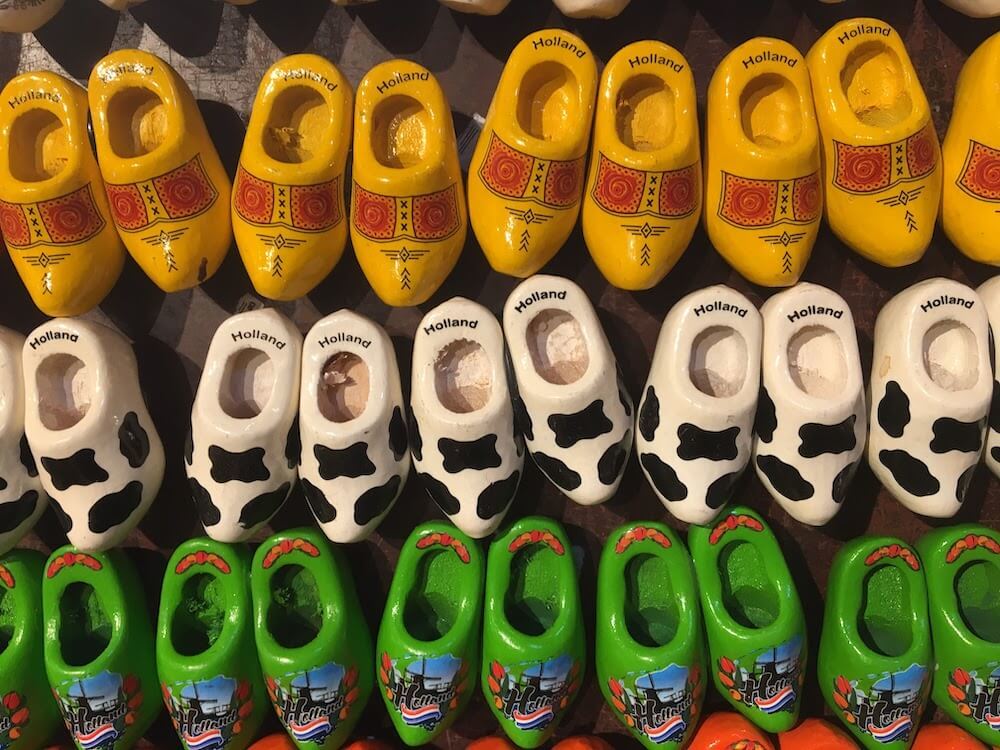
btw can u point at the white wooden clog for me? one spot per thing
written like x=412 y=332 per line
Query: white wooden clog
x=22 y=16
x=591 y=8
x=482 y=7
x=989 y=293
x=975 y=8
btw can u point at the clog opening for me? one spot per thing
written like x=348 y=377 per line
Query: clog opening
x=548 y=102
x=298 y=125
x=718 y=365
x=39 y=146
x=84 y=627
x=463 y=376
x=558 y=347
x=816 y=362
x=644 y=113
x=401 y=127
x=532 y=602
x=873 y=82
x=884 y=619
x=64 y=391
x=137 y=122
x=770 y=111
x=432 y=605
x=977 y=588
x=650 y=604
x=200 y=615
x=344 y=387
x=748 y=593
x=8 y=619
x=295 y=615
x=951 y=357
x=247 y=384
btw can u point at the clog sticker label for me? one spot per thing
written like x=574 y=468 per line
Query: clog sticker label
x=769 y=680
x=532 y=695
x=98 y=709
x=976 y=693
x=311 y=703
x=662 y=704
x=207 y=714
x=423 y=689
x=888 y=706
x=14 y=715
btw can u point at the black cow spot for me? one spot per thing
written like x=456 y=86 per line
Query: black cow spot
x=351 y=462
x=189 y=447
x=995 y=408
x=246 y=466
x=953 y=435
x=522 y=420
x=441 y=495
x=819 y=439
x=585 y=424
x=114 y=508
x=624 y=396
x=80 y=469
x=766 y=421
x=207 y=510
x=649 y=415
x=842 y=482
x=785 y=478
x=322 y=508
x=133 y=442
x=610 y=464
x=65 y=521
x=376 y=501
x=495 y=499
x=3 y=484
x=16 y=512
x=663 y=477
x=293 y=445
x=995 y=452
x=261 y=508
x=27 y=460
x=963 y=483
x=558 y=473
x=397 y=434
x=910 y=473
x=698 y=443
x=720 y=490
x=478 y=454
x=894 y=410
x=519 y=445
x=416 y=442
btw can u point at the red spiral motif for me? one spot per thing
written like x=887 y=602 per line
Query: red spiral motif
x=920 y=152
x=254 y=198
x=862 y=169
x=435 y=216
x=127 y=206
x=806 y=198
x=987 y=174
x=71 y=218
x=68 y=219
x=749 y=202
x=981 y=176
x=13 y=225
x=314 y=207
x=373 y=215
x=505 y=170
x=678 y=194
x=185 y=191
x=562 y=183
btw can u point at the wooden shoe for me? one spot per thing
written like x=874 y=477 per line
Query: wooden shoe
x=466 y=449
x=875 y=651
x=205 y=654
x=25 y=17
x=168 y=191
x=643 y=198
x=694 y=430
x=650 y=652
x=945 y=737
x=318 y=668
x=930 y=392
x=482 y=7
x=753 y=618
x=98 y=649
x=355 y=458
x=427 y=650
x=54 y=213
x=970 y=153
x=534 y=654
x=408 y=217
x=288 y=197
x=989 y=293
x=815 y=734
x=99 y=456
x=243 y=448
x=975 y=8
x=591 y=8
x=880 y=149
x=962 y=566
x=569 y=400
x=811 y=421
x=122 y=5
x=763 y=190
x=526 y=177
x=728 y=731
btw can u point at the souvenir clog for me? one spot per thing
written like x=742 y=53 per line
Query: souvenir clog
x=753 y=618
x=975 y=8
x=99 y=456
x=168 y=191
x=763 y=190
x=875 y=651
x=534 y=653
x=22 y=17
x=205 y=653
x=582 y=742
x=643 y=198
x=815 y=734
x=650 y=653
x=288 y=196
x=466 y=449
x=54 y=212
x=945 y=737
x=482 y=7
x=591 y=8
x=728 y=731
x=351 y=2
x=317 y=666
x=99 y=648
x=242 y=450
x=989 y=293
x=492 y=743
x=122 y=5
x=811 y=420
x=569 y=400
x=427 y=650
x=880 y=149
x=355 y=458
x=694 y=428
x=274 y=742
x=930 y=392
x=962 y=568
x=408 y=216
x=526 y=177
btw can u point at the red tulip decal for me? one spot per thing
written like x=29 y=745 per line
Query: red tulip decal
x=731 y=522
x=970 y=542
x=286 y=547
x=6 y=576
x=894 y=551
x=639 y=534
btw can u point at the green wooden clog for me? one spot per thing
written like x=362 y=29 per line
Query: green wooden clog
x=962 y=569
x=205 y=650
x=99 y=648
x=650 y=654
x=533 y=637
x=428 y=642
x=753 y=618
x=314 y=644
x=875 y=651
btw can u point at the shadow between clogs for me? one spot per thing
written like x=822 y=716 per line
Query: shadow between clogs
x=77 y=52
x=189 y=27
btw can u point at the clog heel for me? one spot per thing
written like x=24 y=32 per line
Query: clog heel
x=54 y=212
x=726 y=731
x=168 y=191
x=880 y=149
x=962 y=568
x=753 y=618
x=989 y=293
x=930 y=392
x=643 y=198
x=427 y=650
x=24 y=17
x=650 y=651
x=763 y=190
x=288 y=197
x=408 y=216
x=99 y=648
x=694 y=429
x=526 y=177
x=875 y=651
x=317 y=666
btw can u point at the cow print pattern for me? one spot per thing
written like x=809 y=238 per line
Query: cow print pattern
x=16 y=512
x=910 y=473
x=664 y=478
x=497 y=497
x=133 y=442
x=785 y=478
x=64 y=518
x=397 y=434
x=767 y=419
x=246 y=466
x=953 y=435
x=558 y=473
x=695 y=443
x=323 y=509
x=610 y=465
x=293 y=448
x=27 y=459
x=350 y=462
x=260 y=509
x=477 y=454
x=114 y=508
x=586 y=424
x=820 y=439
x=649 y=415
x=893 y=410
x=79 y=470
x=375 y=502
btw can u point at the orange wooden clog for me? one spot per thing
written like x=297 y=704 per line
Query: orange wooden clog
x=945 y=737
x=582 y=742
x=273 y=742
x=491 y=743
x=815 y=734
x=729 y=731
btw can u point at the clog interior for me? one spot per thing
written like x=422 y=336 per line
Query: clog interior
x=247 y=383
x=977 y=587
x=748 y=593
x=84 y=626
x=533 y=599
x=548 y=102
x=651 y=614
x=951 y=357
x=64 y=391
x=463 y=376
x=295 y=614
x=344 y=387
x=557 y=346
x=884 y=619
x=39 y=146
x=137 y=122
x=197 y=622
x=718 y=361
x=432 y=605
x=816 y=362
x=873 y=82
x=298 y=125
x=645 y=115
x=770 y=111
x=401 y=127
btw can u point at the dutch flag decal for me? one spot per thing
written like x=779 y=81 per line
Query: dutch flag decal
x=418 y=716
x=667 y=730
x=993 y=721
x=892 y=731
x=533 y=719
x=210 y=739
x=96 y=738
x=311 y=730
x=777 y=701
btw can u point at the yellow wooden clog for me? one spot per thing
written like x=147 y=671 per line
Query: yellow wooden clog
x=763 y=192
x=408 y=218
x=880 y=149
x=53 y=211
x=970 y=197
x=643 y=198
x=168 y=191
x=526 y=175
x=288 y=198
